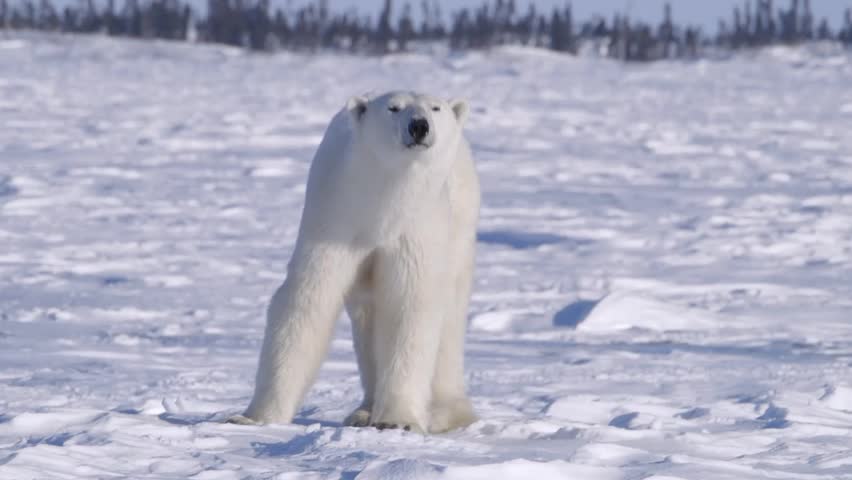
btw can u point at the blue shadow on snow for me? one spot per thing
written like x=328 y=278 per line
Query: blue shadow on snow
x=574 y=314
x=524 y=240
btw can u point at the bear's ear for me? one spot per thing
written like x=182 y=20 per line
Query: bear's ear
x=460 y=108
x=356 y=106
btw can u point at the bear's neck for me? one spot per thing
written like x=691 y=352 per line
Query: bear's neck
x=384 y=202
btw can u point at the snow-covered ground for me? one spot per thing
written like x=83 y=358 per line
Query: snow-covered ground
x=663 y=287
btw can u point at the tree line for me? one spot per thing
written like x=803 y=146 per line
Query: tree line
x=766 y=26
x=255 y=25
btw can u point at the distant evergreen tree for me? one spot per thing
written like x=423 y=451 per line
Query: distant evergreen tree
x=807 y=25
x=426 y=20
x=541 y=32
x=739 y=35
x=846 y=33
x=620 y=41
x=134 y=24
x=557 y=40
x=480 y=30
x=461 y=30
x=440 y=31
x=570 y=34
x=665 y=34
x=281 y=27
x=790 y=22
x=258 y=24
x=759 y=34
x=747 y=27
x=772 y=29
x=384 y=32
x=48 y=18
x=526 y=26
x=406 y=28
x=29 y=17
x=723 y=34
x=69 y=20
x=691 y=41
x=824 y=31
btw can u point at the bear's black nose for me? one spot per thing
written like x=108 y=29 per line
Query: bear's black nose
x=418 y=129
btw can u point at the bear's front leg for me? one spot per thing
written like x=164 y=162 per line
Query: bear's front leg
x=407 y=333
x=300 y=321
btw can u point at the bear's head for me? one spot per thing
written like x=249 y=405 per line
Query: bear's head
x=407 y=124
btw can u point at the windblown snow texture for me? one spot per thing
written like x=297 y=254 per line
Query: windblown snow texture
x=663 y=285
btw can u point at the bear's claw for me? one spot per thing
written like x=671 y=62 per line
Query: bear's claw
x=391 y=426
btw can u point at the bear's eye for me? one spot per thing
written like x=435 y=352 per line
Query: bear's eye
x=436 y=109
x=393 y=108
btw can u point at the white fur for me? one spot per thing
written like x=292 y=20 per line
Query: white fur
x=388 y=232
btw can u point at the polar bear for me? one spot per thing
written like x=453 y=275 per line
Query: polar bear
x=388 y=230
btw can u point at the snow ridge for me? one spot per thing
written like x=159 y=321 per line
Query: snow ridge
x=663 y=286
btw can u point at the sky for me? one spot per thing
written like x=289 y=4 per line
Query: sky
x=705 y=13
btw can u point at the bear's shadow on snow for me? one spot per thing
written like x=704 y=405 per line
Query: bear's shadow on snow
x=296 y=445
x=526 y=240
x=323 y=423
x=184 y=418
x=305 y=417
x=190 y=419
x=301 y=444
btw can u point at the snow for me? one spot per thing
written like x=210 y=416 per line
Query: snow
x=663 y=286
